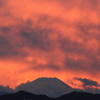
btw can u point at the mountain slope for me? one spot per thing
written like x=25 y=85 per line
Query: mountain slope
x=6 y=89
x=2 y=93
x=51 y=87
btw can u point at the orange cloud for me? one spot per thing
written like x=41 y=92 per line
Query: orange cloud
x=45 y=38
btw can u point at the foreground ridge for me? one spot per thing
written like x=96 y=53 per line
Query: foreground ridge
x=23 y=95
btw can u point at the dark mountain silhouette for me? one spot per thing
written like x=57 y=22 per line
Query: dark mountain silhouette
x=23 y=95
x=3 y=92
x=5 y=89
x=79 y=96
x=51 y=87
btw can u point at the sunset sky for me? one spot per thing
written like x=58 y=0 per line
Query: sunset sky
x=50 y=38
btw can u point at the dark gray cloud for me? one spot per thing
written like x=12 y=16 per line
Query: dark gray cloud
x=44 y=67
x=1 y=3
x=3 y=41
x=68 y=46
x=29 y=37
x=5 y=29
x=87 y=82
x=8 y=49
x=39 y=40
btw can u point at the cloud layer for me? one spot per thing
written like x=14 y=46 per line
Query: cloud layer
x=48 y=38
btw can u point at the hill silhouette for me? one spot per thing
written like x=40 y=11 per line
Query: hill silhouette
x=23 y=95
x=51 y=87
x=76 y=95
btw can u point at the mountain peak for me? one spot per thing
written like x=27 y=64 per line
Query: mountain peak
x=48 y=86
